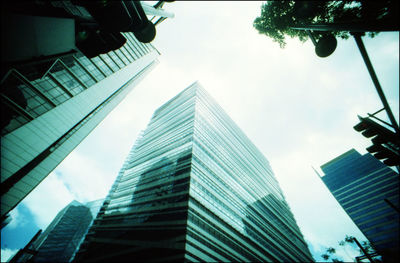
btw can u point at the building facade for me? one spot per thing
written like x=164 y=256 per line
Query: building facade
x=194 y=188
x=49 y=107
x=361 y=183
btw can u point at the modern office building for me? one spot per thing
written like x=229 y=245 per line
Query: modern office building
x=49 y=108
x=64 y=67
x=194 y=188
x=368 y=191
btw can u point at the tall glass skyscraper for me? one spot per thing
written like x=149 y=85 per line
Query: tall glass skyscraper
x=194 y=188
x=361 y=183
x=48 y=108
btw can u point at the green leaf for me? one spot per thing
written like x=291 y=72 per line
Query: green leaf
x=279 y=18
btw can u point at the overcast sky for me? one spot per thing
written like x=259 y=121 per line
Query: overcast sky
x=297 y=108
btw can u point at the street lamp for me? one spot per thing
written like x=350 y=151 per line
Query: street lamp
x=325 y=46
x=357 y=30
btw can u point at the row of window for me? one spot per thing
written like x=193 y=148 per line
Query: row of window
x=389 y=236
x=208 y=105
x=260 y=236
x=231 y=241
x=379 y=205
x=362 y=166
x=151 y=196
x=159 y=146
x=206 y=246
x=217 y=205
x=365 y=182
x=217 y=136
x=218 y=184
x=288 y=230
x=377 y=198
x=144 y=164
x=377 y=221
x=367 y=216
x=158 y=135
x=369 y=193
x=154 y=192
x=394 y=226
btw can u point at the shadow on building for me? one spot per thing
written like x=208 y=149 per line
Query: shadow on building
x=153 y=227
x=271 y=224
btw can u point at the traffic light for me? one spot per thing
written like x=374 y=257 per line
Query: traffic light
x=386 y=144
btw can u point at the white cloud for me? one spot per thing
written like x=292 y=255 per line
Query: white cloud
x=347 y=252
x=7 y=254
x=297 y=108
x=86 y=179
x=47 y=199
x=17 y=219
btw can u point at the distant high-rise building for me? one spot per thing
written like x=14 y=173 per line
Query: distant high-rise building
x=49 y=108
x=368 y=191
x=64 y=234
x=61 y=239
x=194 y=188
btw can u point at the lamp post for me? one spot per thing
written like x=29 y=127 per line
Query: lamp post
x=325 y=46
x=356 y=29
x=364 y=54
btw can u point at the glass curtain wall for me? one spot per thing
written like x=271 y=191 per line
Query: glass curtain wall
x=194 y=188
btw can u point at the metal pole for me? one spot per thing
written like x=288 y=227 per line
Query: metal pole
x=356 y=31
x=376 y=112
x=364 y=54
x=392 y=205
x=150 y=10
x=363 y=250
x=311 y=37
x=353 y=26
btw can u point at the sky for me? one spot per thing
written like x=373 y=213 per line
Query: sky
x=298 y=109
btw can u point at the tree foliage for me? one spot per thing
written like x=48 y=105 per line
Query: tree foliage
x=349 y=239
x=278 y=18
x=330 y=252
